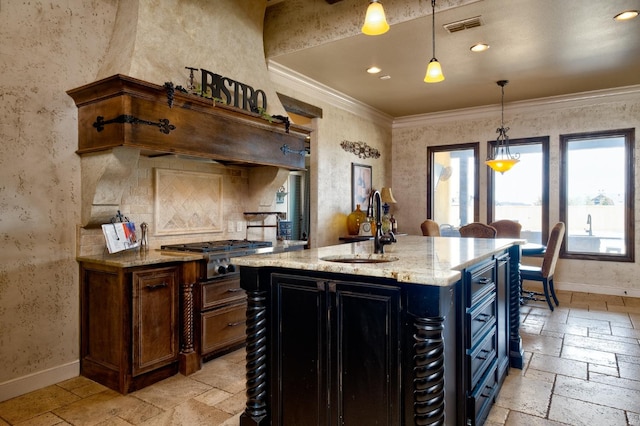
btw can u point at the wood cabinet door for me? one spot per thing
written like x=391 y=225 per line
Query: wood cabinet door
x=365 y=328
x=300 y=353
x=336 y=352
x=155 y=321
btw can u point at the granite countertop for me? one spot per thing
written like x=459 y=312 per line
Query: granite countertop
x=418 y=259
x=137 y=257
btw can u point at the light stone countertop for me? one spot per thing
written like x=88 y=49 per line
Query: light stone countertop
x=137 y=257
x=420 y=260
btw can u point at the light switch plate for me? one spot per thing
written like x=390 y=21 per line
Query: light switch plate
x=239 y=226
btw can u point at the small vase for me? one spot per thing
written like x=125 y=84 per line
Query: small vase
x=354 y=220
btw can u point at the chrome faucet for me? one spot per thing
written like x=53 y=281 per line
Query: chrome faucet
x=380 y=240
x=589 y=230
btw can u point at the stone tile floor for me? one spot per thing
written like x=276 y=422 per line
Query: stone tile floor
x=582 y=367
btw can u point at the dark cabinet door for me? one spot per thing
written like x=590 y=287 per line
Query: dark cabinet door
x=336 y=352
x=155 y=335
x=365 y=389
x=300 y=354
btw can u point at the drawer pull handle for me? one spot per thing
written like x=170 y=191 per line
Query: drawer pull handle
x=234 y=290
x=483 y=317
x=486 y=395
x=483 y=352
x=484 y=280
x=157 y=286
x=234 y=324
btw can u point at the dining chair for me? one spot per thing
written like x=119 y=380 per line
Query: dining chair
x=430 y=228
x=477 y=230
x=545 y=272
x=507 y=228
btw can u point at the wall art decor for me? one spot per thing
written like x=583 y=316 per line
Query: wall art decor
x=361 y=178
x=361 y=149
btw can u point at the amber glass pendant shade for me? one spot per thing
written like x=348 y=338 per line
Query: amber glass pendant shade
x=375 y=22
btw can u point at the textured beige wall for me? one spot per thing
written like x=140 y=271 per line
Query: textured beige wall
x=549 y=119
x=48 y=47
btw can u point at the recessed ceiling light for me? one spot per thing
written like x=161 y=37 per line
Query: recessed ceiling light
x=626 y=15
x=385 y=77
x=373 y=70
x=479 y=47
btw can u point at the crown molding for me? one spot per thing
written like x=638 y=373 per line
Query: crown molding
x=287 y=77
x=574 y=100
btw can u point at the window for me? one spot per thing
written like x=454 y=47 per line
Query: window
x=522 y=193
x=596 y=195
x=453 y=182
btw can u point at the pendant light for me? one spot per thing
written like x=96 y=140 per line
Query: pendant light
x=499 y=157
x=434 y=70
x=375 y=22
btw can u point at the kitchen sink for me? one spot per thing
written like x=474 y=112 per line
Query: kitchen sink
x=365 y=258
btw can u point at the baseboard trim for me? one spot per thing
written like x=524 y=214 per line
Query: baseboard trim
x=597 y=289
x=22 y=385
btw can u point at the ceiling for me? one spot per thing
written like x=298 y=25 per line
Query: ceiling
x=543 y=47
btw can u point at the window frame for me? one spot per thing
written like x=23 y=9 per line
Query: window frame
x=544 y=142
x=431 y=150
x=629 y=226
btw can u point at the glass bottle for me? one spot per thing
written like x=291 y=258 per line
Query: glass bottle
x=354 y=219
x=386 y=220
x=394 y=224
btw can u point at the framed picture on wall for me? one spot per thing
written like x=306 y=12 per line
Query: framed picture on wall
x=361 y=177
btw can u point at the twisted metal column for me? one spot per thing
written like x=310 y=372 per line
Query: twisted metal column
x=256 y=409
x=428 y=372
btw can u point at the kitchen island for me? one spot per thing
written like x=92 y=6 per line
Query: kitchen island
x=422 y=334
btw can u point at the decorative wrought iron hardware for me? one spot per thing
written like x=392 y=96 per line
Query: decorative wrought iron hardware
x=163 y=123
x=286 y=150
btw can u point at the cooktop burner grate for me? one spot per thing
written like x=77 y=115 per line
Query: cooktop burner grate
x=217 y=246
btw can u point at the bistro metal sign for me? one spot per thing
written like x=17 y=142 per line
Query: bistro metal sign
x=224 y=89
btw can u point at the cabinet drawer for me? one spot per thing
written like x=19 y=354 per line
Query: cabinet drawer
x=481 y=399
x=481 y=356
x=221 y=292
x=223 y=327
x=481 y=281
x=481 y=318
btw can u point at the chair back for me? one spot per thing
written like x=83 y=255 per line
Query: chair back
x=553 y=250
x=478 y=230
x=430 y=228
x=507 y=228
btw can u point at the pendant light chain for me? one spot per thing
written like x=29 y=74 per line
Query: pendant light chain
x=433 y=26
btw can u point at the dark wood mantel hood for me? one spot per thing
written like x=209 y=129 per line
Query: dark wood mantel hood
x=121 y=111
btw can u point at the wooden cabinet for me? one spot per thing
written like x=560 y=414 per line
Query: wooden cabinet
x=223 y=309
x=328 y=348
x=129 y=324
x=486 y=346
x=336 y=352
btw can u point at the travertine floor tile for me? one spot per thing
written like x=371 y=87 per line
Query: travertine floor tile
x=631 y=349
x=172 y=391
x=575 y=412
x=589 y=355
x=557 y=365
x=46 y=419
x=527 y=395
x=88 y=411
x=520 y=419
x=35 y=403
x=542 y=344
x=598 y=393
